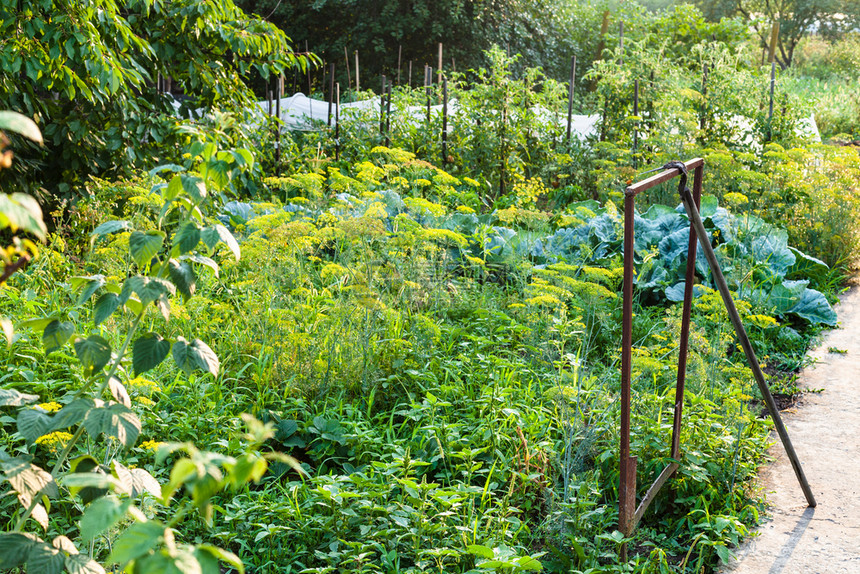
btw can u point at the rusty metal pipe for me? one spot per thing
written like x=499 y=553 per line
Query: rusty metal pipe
x=685 y=322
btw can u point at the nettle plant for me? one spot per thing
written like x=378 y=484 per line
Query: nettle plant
x=115 y=499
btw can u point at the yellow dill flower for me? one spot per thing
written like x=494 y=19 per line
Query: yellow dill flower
x=150 y=445
x=50 y=407
x=735 y=199
x=55 y=441
x=145 y=401
x=143 y=386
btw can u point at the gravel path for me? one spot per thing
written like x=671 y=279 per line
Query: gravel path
x=825 y=430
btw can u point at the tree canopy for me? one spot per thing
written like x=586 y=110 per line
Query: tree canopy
x=87 y=72
x=797 y=18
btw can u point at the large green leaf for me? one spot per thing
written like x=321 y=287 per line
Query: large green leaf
x=82 y=564
x=211 y=236
x=136 y=481
x=202 y=260
x=56 y=334
x=109 y=227
x=13 y=398
x=94 y=353
x=32 y=424
x=114 y=420
x=194 y=187
x=20 y=124
x=14 y=549
x=773 y=249
x=102 y=514
x=20 y=211
x=25 y=477
x=195 y=355
x=71 y=414
x=88 y=286
x=182 y=275
x=45 y=559
x=148 y=352
x=104 y=307
x=145 y=246
x=813 y=307
x=186 y=238
x=149 y=289
x=137 y=541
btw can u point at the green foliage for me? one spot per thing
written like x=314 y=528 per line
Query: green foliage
x=114 y=502
x=86 y=73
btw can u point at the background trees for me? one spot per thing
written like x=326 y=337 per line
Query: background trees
x=87 y=72
x=797 y=18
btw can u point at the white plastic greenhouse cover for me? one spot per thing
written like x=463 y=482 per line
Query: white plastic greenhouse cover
x=299 y=113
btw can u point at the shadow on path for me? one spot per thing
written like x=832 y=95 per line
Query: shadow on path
x=793 y=539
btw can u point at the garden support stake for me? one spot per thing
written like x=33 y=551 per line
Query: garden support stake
x=722 y=285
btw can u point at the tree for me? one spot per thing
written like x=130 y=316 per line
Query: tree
x=797 y=18
x=540 y=30
x=87 y=72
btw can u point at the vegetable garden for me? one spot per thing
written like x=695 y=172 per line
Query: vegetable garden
x=353 y=352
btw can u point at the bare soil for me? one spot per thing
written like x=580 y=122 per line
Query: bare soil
x=824 y=426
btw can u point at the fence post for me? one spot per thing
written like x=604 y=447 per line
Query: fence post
x=570 y=97
x=444 y=120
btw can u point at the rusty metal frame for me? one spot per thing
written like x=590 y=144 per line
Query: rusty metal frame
x=629 y=514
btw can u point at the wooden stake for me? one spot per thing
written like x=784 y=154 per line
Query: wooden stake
x=409 y=76
x=278 y=93
x=770 y=106
x=337 y=123
x=388 y=117
x=399 y=55
x=774 y=37
x=330 y=91
x=621 y=42
x=636 y=121
x=382 y=107
x=704 y=98
x=440 y=62
x=444 y=120
x=348 y=76
x=357 y=83
x=570 y=97
x=308 y=70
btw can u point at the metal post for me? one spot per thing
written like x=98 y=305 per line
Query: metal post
x=357 y=83
x=388 y=117
x=444 y=119
x=337 y=123
x=382 y=107
x=635 y=121
x=685 y=323
x=348 y=75
x=704 y=98
x=770 y=107
x=627 y=478
x=570 y=96
x=330 y=91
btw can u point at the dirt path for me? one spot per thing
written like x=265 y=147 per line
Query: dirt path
x=825 y=430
